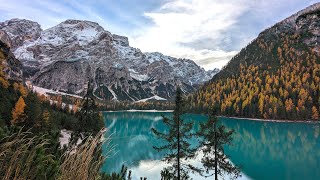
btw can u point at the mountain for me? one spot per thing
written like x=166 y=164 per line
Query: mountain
x=27 y=118
x=10 y=67
x=277 y=76
x=11 y=81
x=67 y=56
x=21 y=31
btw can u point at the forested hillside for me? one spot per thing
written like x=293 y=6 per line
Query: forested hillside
x=277 y=76
x=30 y=127
x=21 y=108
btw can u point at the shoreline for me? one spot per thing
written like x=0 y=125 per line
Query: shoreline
x=233 y=117
x=139 y=110
x=271 y=120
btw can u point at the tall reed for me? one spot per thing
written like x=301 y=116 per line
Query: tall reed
x=84 y=161
x=23 y=155
x=19 y=156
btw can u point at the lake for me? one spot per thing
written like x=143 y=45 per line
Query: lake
x=264 y=150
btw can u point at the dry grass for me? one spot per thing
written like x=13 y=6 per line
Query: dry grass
x=84 y=161
x=17 y=153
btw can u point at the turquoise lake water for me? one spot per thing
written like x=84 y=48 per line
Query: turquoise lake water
x=264 y=150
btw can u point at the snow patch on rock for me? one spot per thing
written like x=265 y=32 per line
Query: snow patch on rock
x=139 y=77
x=47 y=92
x=68 y=55
x=115 y=98
x=64 y=138
x=152 y=98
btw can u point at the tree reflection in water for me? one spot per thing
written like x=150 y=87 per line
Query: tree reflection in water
x=265 y=150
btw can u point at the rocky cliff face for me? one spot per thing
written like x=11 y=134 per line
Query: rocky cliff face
x=305 y=22
x=65 y=57
x=11 y=68
x=21 y=31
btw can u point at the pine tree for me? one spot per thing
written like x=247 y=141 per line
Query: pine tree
x=33 y=110
x=122 y=175
x=90 y=119
x=176 y=143
x=18 y=114
x=213 y=138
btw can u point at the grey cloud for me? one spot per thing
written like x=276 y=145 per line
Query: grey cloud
x=210 y=60
x=205 y=43
x=258 y=17
x=231 y=40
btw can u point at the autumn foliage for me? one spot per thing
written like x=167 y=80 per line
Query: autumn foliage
x=269 y=79
x=18 y=114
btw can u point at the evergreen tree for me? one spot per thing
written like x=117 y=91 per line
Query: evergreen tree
x=176 y=143
x=90 y=119
x=122 y=175
x=33 y=109
x=213 y=138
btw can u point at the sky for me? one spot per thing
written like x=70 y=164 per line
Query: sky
x=210 y=32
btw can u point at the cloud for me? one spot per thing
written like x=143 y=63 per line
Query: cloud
x=210 y=31
x=216 y=59
x=207 y=31
x=192 y=29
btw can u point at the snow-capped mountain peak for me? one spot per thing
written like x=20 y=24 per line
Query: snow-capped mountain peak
x=68 y=55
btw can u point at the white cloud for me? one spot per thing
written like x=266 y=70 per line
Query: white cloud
x=179 y=23
x=207 y=31
x=152 y=169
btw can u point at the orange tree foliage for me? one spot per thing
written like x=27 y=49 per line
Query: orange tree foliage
x=266 y=80
x=19 y=87
x=315 y=113
x=18 y=114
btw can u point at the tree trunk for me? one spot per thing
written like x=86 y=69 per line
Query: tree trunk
x=178 y=158
x=215 y=152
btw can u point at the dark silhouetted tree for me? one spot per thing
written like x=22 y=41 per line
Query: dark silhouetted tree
x=90 y=117
x=213 y=138
x=176 y=144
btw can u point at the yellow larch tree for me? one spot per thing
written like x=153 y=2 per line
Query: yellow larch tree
x=18 y=114
x=315 y=113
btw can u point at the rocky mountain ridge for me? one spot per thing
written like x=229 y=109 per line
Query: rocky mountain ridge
x=304 y=23
x=65 y=57
x=10 y=67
